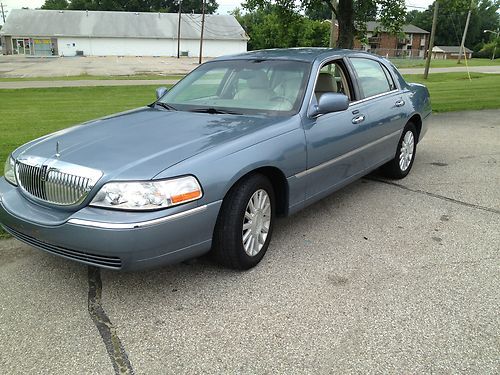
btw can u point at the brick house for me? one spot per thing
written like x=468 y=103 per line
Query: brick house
x=413 y=44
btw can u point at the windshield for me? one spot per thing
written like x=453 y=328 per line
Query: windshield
x=241 y=87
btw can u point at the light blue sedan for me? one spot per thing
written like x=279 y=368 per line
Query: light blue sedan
x=210 y=164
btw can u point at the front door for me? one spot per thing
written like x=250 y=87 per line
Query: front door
x=27 y=46
x=19 y=46
x=333 y=138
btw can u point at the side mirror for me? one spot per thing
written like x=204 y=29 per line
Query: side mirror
x=160 y=91
x=330 y=102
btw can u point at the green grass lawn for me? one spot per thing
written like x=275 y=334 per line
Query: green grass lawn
x=30 y=113
x=85 y=77
x=420 y=63
x=454 y=92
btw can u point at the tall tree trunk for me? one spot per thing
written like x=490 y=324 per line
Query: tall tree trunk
x=333 y=32
x=346 y=23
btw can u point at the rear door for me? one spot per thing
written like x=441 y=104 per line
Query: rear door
x=381 y=107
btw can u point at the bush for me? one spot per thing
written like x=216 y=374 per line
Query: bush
x=488 y=48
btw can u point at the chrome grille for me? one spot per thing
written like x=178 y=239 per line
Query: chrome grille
x=55 y=181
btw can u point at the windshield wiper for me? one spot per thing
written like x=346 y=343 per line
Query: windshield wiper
x=166 y=106
x=215 y=111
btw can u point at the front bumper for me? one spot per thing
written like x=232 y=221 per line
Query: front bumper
x=110 y=239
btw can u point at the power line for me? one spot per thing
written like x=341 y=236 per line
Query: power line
x=212 y=25
x=197 y=25
x=416 y=7
x=454 y=28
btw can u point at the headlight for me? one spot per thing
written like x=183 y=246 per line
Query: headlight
x=148 y=195
x=9 y=171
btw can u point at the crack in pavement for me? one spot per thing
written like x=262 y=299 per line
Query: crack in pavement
x=114 y=346
x=442 y=197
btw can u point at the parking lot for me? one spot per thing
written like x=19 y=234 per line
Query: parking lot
x=381 y=277
x=25 y=67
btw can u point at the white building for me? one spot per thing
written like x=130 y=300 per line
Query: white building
x=95 y=33
x=449 y=52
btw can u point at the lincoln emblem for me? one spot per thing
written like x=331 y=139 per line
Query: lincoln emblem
x=43 y=173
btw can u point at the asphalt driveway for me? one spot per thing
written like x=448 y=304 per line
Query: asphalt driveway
x=381 y=277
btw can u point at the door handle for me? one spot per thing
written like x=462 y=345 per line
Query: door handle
x=358 y=119
x=400 y=103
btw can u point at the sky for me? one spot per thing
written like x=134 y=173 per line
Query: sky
x=224 y=5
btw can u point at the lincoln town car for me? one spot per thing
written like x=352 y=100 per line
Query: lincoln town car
x=210 y=164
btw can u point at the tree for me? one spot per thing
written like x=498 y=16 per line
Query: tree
x=272 y=26
x=169 y=6
x=188 y=6
x=319 y=12
x=55 y=4
x=410 y=16
x=490 y=48
x=451 y=21
x=351 y=15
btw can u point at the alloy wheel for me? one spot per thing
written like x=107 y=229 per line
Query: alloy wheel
x=256 y=222
x=407 y=150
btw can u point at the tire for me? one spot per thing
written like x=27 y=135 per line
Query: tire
x=400 y=166
x=238 y=222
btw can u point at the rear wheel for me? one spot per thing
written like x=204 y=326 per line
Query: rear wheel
x=400 y=166
x=245 y=223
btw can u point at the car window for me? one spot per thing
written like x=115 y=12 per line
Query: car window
x=392 y=85
x=332 y=78
x=371 y=77
x=244 y=86
x=205 y=86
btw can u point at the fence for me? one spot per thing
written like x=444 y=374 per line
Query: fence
x=393 y=53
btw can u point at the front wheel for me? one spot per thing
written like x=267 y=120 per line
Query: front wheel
x=245 y=223
x=400 y=166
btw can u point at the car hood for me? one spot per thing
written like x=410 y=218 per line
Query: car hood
x=141 y=143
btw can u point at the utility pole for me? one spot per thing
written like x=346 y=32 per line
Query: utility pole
x=179 y=31
x=431 y=42
x=202 y=29
x=3 y=13
x=462 y=45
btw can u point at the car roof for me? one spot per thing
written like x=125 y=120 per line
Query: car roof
x=308 y=54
